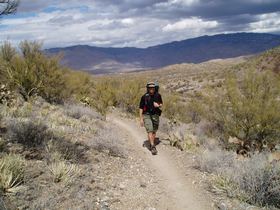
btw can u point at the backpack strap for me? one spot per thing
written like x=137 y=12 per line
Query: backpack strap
x=147 y=99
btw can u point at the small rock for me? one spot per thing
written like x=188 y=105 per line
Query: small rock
x=222 y=206
x=143 y=185
x=122 y=186
x=104 y=199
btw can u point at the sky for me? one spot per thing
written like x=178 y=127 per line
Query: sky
x=135 y=23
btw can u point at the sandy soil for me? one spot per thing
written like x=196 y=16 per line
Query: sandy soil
x=176 y=184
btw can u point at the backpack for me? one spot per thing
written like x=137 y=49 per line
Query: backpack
x=147 y=99
x=157 y=87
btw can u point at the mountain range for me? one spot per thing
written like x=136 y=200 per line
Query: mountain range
x=196 y=50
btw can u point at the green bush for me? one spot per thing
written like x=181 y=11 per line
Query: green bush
x=33 y=73
x=79 y=84
x=117 y=92
x=129 y=95
x=249 y=108
x=7 y=52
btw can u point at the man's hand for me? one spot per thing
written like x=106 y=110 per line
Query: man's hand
x=141 y=122
x=157 y=105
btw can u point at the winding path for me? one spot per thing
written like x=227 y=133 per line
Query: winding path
x=180 y=195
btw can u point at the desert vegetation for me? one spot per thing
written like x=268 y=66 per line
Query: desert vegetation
x=251 y=180
x=237 y=124
x=226 y=113
x=231 y=112
x=48 y=119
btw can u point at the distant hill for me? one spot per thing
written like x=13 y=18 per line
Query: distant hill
x=269 y=60
x=196 y=50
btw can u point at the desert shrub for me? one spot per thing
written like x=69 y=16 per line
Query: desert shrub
x=174 y=108
x=253 y=180
x=117 y=92
x=195 y=110
x=63 y=172
x=11 y=173
x=79 y=84
x=53 y=81
x=106 y=142
x=128 y=96
x=21 y=77
x=259 y=181
x=29 y=133
x=212 y=161
x=78 y=111
x=104 y=95
x=169 y=109
x=249 y=108
x=67 y=150
x=26 y=110
x=7 y=52
x=32 y=73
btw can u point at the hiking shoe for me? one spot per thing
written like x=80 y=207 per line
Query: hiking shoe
x=154 y=150
x=147 y=145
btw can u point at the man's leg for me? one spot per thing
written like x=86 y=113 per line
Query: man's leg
x=154 y=137
x=149 y=128
x=151 y=137
x=155 y=120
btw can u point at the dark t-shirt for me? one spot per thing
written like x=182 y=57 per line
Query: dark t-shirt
x=147 y=103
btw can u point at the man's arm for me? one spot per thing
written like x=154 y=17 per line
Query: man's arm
x=159 y=103
x=141 y=117
x=141 y=107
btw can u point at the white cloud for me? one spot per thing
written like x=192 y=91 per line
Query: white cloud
x=176 y=3
x=184 y=2
x=267 y=23
x=127 y=21
x=139 y=23
x=193 y=23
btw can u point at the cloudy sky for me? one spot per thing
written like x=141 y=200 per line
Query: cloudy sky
x=139 y=23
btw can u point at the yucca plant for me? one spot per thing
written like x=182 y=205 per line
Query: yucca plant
x=63 y=172
x=12 y=169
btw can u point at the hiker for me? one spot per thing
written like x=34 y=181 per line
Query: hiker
x=150 y=110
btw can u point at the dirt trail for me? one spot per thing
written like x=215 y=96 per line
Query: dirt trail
x=179 y=191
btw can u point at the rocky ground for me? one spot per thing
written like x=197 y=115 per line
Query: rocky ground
x=115 y=171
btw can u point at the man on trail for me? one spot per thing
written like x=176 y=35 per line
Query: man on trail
x=150 y=110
